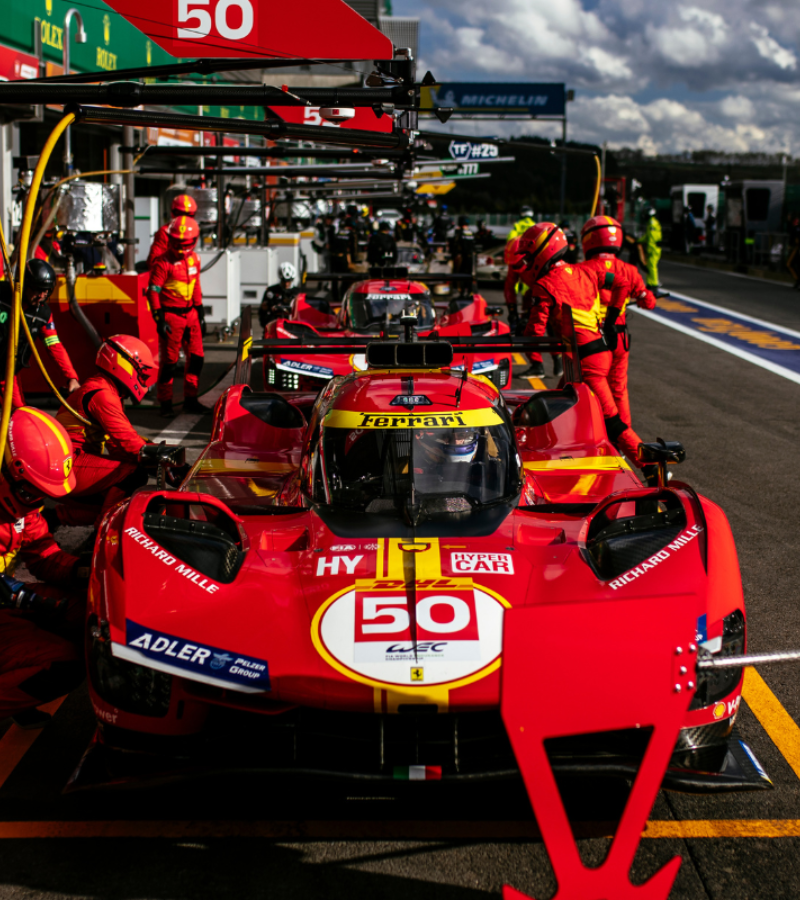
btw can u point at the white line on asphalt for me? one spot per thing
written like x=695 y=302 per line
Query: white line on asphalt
x=732 y=274
x=707 y=339
x=179 y=427
x=731 y=312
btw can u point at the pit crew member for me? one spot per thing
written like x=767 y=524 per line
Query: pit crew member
x=555 y=284
x=462 y=249
x=41 y=623
x=182 y=205
x=278 y=298
x=524 y=222
x=651 y=241
x=382 y=247
x=407 y=229
x=602 y=241
x=176 y=301
x=40 y=280
x=108 y=453
x=515 y=289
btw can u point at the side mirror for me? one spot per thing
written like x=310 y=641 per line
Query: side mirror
x=662 y=453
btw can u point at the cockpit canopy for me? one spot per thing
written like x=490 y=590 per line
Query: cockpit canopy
x=382 y=306
x=418 y=464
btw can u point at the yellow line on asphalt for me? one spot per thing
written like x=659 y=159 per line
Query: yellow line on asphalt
x=384 y=829
x=774 y=719
x=724 y=828
x=537 y=384
x=519 y=360
x=16 y=742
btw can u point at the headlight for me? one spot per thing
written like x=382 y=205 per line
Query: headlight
x=134 y=689
x=714 y=684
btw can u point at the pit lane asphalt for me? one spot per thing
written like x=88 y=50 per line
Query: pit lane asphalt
x=740 y=427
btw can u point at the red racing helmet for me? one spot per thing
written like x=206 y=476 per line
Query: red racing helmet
x=513 y=258
x=37 y=462
x=130 y=362
x=601 y=234
x=183 y=205
x=541 y=246
x=183 y=234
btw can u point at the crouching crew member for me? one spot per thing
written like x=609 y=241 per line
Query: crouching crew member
x=107 y=454
x=555 y=284
x=182 y=205
x=41 y=624
x=176 y=301
x=40 y=280
x=278 y=298
x=602 y=241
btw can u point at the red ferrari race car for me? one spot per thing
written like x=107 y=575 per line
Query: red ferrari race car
x=333 y=576
x=375 y=306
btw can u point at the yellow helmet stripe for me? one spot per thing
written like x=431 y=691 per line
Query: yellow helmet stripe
x=65 y=446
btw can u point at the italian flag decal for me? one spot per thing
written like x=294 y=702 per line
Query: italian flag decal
x=417 y=773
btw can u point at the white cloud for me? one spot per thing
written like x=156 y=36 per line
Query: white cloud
x=770 y=49
x=718 y=74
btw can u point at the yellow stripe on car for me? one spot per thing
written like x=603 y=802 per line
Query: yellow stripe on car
x=465 y=418
x=583 y=463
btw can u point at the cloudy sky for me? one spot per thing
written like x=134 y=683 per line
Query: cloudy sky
x=662 y=76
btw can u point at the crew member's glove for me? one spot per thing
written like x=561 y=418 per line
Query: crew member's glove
x=201 y=315
x=513 y=320
x=17 y=595
x=610 y=328
x=162 y=326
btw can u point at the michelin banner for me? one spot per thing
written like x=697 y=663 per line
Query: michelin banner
x=491 y=99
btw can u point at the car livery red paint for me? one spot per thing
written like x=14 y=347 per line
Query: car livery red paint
x=354 y=555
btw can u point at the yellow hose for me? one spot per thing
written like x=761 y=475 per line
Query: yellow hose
x=597 y=185
x=16 y=305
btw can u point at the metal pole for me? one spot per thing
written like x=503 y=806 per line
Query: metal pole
x=80 y=37
x=220 y=200
x=129 y=202
x=563 y=199
x=603 y=210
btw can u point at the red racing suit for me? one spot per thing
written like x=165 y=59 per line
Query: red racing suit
x=42 y=327
x=614 y=269
x=106 y=455
x=38 y=660
x=579 y=288
x=175 y=288
x=159 y=246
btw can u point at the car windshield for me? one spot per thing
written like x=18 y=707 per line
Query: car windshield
x=376 y=310
x=436 y=470
x=410 y=256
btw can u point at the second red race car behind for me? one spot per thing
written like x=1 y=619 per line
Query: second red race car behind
x=376 y=306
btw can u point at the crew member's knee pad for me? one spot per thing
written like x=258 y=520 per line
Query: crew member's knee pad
x=195 y=364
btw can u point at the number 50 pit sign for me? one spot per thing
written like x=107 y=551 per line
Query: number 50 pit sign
x=314 y=29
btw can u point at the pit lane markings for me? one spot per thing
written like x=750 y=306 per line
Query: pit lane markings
x=779 y=725
x=16 y=742
x=519 y=360
x=537 y=384
x=389 y=830
x=729 y=326
x=179 y=427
